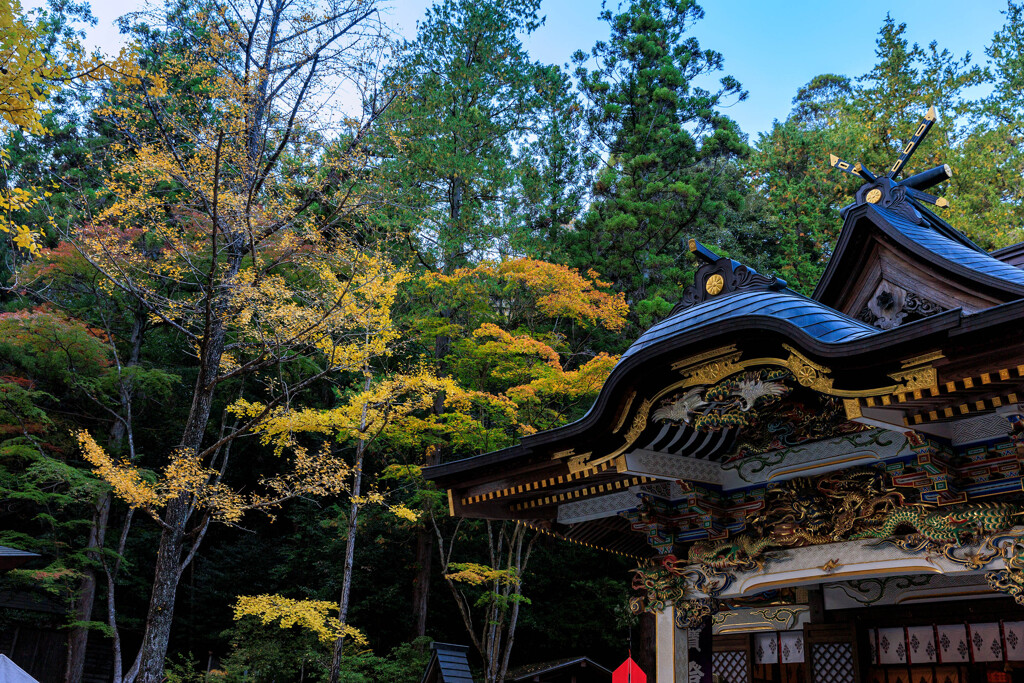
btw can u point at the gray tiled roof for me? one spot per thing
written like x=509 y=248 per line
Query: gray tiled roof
x=813 y=318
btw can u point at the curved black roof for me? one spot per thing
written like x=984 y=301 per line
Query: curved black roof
x=804 y=320
x=955 y=252
x=811 y=317
x=933 y=241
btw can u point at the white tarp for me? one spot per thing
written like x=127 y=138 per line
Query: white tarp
x=12 y=673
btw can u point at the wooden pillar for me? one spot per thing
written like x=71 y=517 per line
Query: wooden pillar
x=816 y=602
x=678 y=649
x=681 y=657
x=666 y=647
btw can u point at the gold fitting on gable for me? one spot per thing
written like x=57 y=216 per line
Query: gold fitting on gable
x=714 y=284
x=568 y=452
x=807 y=372
x=640 y=421
x=921 y=360
x=915 y=379
x=578 y=462
x=710 y=366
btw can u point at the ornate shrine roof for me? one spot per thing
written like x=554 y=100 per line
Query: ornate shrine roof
x=908 y=361
x=931 y=241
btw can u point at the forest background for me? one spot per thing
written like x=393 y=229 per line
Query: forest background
x=236 y=320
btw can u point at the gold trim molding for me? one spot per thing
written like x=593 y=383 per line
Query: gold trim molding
x=715 y=365
x=709 y=367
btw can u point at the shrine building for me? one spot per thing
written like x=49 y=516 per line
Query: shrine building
x=823 y=489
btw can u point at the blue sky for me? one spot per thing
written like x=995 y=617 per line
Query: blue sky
x=773 y=47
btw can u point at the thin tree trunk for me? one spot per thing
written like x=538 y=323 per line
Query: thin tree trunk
x=111 y=592
x=350 y=541
x=79 y=636
x=421 y=583
x=520 y=562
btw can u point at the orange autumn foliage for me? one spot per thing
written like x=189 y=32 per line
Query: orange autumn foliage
x=557 y=291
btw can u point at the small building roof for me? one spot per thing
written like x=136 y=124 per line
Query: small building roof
x=544 y=670
x=448 y=664
x=12 y=673
x=11 y=558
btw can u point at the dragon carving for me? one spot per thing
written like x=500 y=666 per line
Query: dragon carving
x=1010 y=580
x=855 y=504
x=958 y=526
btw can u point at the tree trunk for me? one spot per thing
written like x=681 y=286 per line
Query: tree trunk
x=350 y=543
x=645 y=644
x=425 y=552
x=165 y=589
x=350 y=554
x=111 y=573
x=79 y=636
x=421 y=583
x=169 y=561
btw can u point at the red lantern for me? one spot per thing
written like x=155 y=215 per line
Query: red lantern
x=629 y=672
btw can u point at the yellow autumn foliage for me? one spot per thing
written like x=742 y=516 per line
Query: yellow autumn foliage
x=475 y=574
x=24 y=69
x=126 y=482
x=311 y=474
x=402 y=512
x=362 y=416
x=557 y=290
x=313 y=615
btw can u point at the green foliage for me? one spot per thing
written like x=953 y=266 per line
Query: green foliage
x=472 y=117
x=667 y=151
x=869 y=118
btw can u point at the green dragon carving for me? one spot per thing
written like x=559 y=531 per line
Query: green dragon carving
x=740 y=553
x=956 y=526
x=660 y=585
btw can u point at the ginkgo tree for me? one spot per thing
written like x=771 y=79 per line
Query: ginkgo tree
x=226 y=216
x=25 y=73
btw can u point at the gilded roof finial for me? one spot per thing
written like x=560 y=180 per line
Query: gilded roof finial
x=885 y=191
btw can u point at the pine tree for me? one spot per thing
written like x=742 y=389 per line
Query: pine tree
x=666 y=151
x=472 y=100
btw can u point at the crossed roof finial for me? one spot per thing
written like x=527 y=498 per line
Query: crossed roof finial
x=884 y=190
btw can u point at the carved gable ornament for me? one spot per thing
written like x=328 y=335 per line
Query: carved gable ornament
x=719 y=277
x=890 y=306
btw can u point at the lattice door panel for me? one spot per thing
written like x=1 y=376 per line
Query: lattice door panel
x=731 y=665
x=833 y=663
